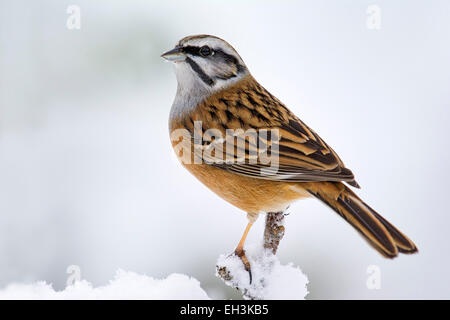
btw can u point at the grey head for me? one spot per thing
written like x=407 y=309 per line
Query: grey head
x=204 y=64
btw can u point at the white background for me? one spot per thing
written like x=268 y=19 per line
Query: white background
x=87 y=174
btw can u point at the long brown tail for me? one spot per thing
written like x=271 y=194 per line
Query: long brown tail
x=382 y=235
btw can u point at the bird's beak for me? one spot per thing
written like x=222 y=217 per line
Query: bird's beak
x=174 y=55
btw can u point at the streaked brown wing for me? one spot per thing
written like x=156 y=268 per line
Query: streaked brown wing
x=302 y=155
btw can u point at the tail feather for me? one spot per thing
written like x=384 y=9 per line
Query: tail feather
x=404 y=244
x=381 y=234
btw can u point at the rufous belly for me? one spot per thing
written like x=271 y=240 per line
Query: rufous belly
x=249 y=194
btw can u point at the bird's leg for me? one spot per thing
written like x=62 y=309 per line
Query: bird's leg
x=240 y=252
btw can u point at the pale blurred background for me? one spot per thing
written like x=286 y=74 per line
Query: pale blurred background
x=87 y=174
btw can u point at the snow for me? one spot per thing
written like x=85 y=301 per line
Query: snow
x=270 y=279
x=126 y=285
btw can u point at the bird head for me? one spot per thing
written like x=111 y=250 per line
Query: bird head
x=205 y=62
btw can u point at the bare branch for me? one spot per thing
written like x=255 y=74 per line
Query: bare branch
x=274 y=230
x=273 y=233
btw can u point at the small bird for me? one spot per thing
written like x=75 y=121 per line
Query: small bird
x=216 y=94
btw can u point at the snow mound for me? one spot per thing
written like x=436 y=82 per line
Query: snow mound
x=270 y=279
x=126 y=285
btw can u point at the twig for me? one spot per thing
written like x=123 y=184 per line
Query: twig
x=273 y=233
x=274 y=230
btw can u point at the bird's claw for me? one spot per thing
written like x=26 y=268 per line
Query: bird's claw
x=241 y=254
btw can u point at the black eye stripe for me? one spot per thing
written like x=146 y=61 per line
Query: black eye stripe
x=192 y=50
x=218 y=56
x=203 y=51
x=228 y=58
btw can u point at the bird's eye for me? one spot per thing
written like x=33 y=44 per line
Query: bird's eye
x=205 y=51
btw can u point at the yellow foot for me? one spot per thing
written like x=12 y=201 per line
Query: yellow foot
x=241 y=254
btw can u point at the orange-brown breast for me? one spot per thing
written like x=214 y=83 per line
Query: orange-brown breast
x=249 y=194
